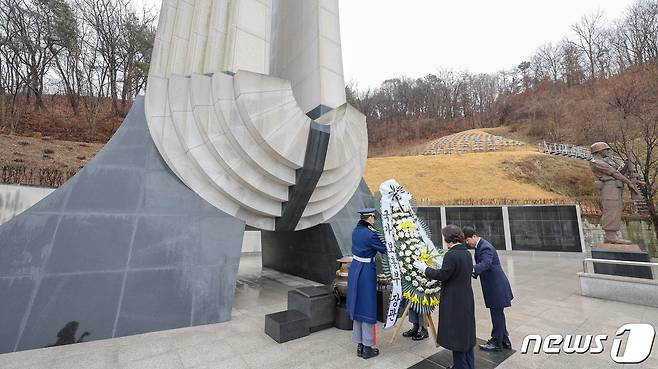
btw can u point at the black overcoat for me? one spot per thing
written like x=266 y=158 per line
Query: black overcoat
x=457 y=308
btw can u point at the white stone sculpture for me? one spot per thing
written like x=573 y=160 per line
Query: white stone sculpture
x=232 y=88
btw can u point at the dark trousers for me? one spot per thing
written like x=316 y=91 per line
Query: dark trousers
x=463 y=359
x=499 y=334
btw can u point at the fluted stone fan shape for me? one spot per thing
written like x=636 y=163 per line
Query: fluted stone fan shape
x=229 y=122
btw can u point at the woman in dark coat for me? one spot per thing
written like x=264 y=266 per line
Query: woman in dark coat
x=457 y=308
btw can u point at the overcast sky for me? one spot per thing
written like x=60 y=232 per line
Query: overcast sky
x=390 y=38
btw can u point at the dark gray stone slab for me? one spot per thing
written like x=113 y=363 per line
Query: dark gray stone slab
x=342 y=318
x=286 y=325
x=123 y=247
x=622 y=270
x=315 y=291
x=431 y=216
x=155 y=300
x=210 y=289
x=14 y=299
x=545 y=228
x=487 y=221
x=318 y=111
x=483 y=359
x=317 y=303
x=162 y=241
x=89 y=299
x=112 y=189
x=306 y=178
x=87 y=242
x=26 y=244
x=312 y=253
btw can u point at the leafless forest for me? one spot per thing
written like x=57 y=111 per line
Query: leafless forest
x=567 y=91
x=90 y=57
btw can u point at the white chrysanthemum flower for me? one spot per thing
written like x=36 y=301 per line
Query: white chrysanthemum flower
x=417 y=252
x=403 y=247
x=408 y=242
x=420 y=289
x=408 y=253
x=414 y=274
x=407 y=278
x=403 y=270
x=414 y=283
x=407 y=260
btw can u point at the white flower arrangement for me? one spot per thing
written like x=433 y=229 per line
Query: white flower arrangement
x=420 y=292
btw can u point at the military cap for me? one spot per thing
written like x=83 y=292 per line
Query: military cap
x=367 y=211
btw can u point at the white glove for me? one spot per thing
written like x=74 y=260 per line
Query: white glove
x=420 y=266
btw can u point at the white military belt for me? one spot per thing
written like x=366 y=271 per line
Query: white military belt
x=363 y=260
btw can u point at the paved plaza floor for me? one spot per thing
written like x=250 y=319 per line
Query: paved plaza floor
x=546 y=302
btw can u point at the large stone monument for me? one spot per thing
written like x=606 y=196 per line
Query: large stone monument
x=244 y=124
x=610 y=181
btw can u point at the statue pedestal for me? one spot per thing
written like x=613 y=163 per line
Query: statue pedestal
x=621 y=252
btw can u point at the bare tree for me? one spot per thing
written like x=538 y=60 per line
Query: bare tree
x=641 y=28
x=572 y=69
x=36 y=31
x=591 y=40
x=12 y=98
x=138 y=35
x=550 y=59
x=106 y=17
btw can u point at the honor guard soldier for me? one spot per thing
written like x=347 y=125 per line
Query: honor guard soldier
x=362 y=284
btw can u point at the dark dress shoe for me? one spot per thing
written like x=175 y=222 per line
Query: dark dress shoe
x=421 y=335
x=412 y=332
x=369 y=352
x=507 y=346
x=359 y=350
x=489 y=346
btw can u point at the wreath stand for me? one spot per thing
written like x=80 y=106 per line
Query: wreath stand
x=427 y=320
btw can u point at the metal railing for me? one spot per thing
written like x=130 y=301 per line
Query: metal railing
x=617 y=262
x=573 y=151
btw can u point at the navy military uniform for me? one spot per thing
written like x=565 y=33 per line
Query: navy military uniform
x=496 y=290
x=362 y=284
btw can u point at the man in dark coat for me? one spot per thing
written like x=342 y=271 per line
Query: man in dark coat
x=362 y=284
x=457 y=307
x=496 y=289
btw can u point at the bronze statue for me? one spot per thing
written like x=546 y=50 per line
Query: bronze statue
x=610 y=183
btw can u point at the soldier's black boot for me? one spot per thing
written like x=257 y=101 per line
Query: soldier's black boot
x=421 y=335
x=369 y=352
x=359 y=350
x=412 y=332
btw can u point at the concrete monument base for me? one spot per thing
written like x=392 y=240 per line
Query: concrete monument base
x=617 y=288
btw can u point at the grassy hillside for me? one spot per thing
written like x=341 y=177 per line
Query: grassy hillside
x=511 y=177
